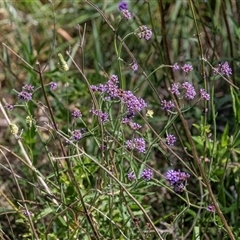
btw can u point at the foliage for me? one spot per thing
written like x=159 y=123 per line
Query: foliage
x=120 y=120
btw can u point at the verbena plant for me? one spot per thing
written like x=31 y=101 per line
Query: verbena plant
x=123 y=121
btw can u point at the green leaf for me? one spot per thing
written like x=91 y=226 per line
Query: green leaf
x=224 y=139
x=236 y=104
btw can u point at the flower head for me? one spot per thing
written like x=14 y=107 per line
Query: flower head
x=131 y=176
x=28 y=87
x=175 y=67
x=123 y=5
x=103 y=116
x=77 y=135
x=134 y=126
x=149 y=113
x=177 y=179
x=167 y=106
x=144 y=33
x=190 y=92
x=126 y=14
x=9 y=106
x=137 y=143
x=147 y=174
x=171 y=139
x=53 y=86
x=224 y=69
x=204 y=95
x=175 y=90
x=13 y=128
x=76 y=113
x=211 y=208
x=187 y=68
x=26 y=96
x=134 y=66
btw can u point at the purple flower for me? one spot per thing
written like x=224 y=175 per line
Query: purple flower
x=134 y=126
x=126 y=14
x=102 y=88
x=147 y=174
x=111 y=86
x=211 y=208
x=134 y=66
x=53 y=86
x=136 y=143
x=177 y=179
x=171 y=139
x=224 y=69
x=167 y=106
x=187 y=68
x=179 y=187
x=134 y=104
x=131 y=176
x=204 y=95
x=175 y=90
x=77 y=135
x=175 y=67
x=144 y=33
x=27 y=213
x=190 y=92
x=103 y=116
x=28 y=87
x=26 y=96
x=9 y=106
x=76 y=113
x=94 y=88
x=122 y=5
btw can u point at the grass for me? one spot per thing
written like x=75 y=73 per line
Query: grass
x=68 y=178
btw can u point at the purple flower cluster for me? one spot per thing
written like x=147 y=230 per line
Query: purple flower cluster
x=211 y=208
x=134 y=66
x=123 y=8
x=53 y=86
x=136 y=143
x=122 y=5
x=176 y=67
x=103 y=116
x=177 y=179
x=147 y=174
x=131 y=176
x=9 y=106
x=144 y=33
x=185 y=68
x=190 y=92
x=76 y=114
x=171 y=139
x=204 y=95
x=175 y=89
x=133 y=104
x=126 y=14
x=28 y=87
x=76 y=135
x=224 y=69
x=25 y=96
x=167 y=106
x=134 y=126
